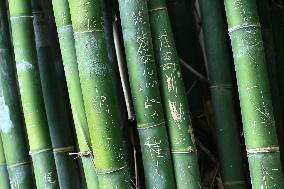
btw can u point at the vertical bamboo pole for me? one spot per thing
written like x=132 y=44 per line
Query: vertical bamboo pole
x=174 y=98
x=98 y=90
x=146 y=95
x=67 y=45
x=31 y=95
x=57 y=117
x=255 y=98
x=270 y=49
x=11 y=122
x=4 y=177
x=220 y=77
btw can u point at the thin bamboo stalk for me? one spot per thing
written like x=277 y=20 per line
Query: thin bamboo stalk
x=4 y=177
x=98 y=93
x=53 y=94
x=11 y=122
x=188 y=48
x=219 y=68
x=174 y=98
x=157 y=162
x=31 y=95
x=254 y=93
x=67 y=44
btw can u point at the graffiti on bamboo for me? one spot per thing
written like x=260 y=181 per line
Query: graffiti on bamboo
x=48 y=178
x=153 y=148
x=260 y=107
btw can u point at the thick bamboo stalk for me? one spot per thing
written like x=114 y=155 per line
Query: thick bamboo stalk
x=11 y=122
x=255 y=98
x=98 y=94
x=157 y=163
x=4 y=177
x=270 y=49
x=220 y=75
x=174 y=98
x=31 y=95
x=67 y=44
x=54 y=100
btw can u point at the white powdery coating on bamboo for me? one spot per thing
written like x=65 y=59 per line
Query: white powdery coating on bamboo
x=24 y=66
x=5 y=122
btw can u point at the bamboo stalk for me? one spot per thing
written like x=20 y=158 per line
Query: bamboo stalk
x=220 y=76
x=98 y=94
x=270 y=49
x=174 y=98
x=255 y=98
x=11 y=123
x=31 y=94
x=183 y=22
x=67 y=169
x=67 y=44
x=146 y=96
x=4 y=177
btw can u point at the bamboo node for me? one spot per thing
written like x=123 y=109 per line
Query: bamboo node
x=39 y=151
x=87 y=31
x=184 y=152
x=81 y=154
x=238 y=182
x=18 y=17
x=157 y=8
x=18 y=164
x=263 y=150
x=242 y=26
x=112 y=171
x=148 y=126
x=63 y=149
x=221 y=86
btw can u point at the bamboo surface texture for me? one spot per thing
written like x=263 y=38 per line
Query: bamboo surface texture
x=220 y=76
x=4 y=177
x=31 y=94
x=68 y=51
x=98 y=93
x=12 y=127
x=174 y=98
x=154 y=143
x=254 y=93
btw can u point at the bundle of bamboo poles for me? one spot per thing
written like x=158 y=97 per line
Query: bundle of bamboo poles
x=102 y=94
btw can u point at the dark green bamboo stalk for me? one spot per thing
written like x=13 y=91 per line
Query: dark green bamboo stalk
x=98 y=94
x=181 y=14
x=220 y=76
x=67 y=44
x=174 y=98
x=57 y=117
x=255 y=98
x=4 y=177
x=31 y=94
x=146 y=96
x=11 y=124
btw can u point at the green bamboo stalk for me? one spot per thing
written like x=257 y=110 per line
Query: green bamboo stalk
x=220 y=76
x=11 y=123
x=57 y=117
x=31 y=95
x=157 y=163
x=98 y=93
x=188 y=48
x=174 y=98
x=273 y=73
x=254 y=93
x=67 y=44
x=4 y=177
